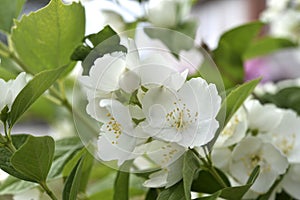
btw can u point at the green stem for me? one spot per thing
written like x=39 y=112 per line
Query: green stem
x=8 y=143
x=5 y=52
x=48 y=191
x=210 y=168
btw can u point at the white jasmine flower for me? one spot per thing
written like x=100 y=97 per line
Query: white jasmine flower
x=291 y=181
x=186 y=116
x=286 y=136
x=119 y=136
x=9 y=90
x=168 y=13
x=234 y=131
x=168 y=157
x=249 y=153
x=262 y=118
x=287 y=25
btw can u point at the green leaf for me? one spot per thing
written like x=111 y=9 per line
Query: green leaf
x=103 y=42
x=9 y=10
x=14 y=185
x=236 y=193
x=232 y=103
x=121 y=186
x=266 y=46
x=231 y=48
x=176 y=192
x=32 y=91
x=86 y=168
x=191 y=165
x=284 y=98
x=152 y=194
x=5 y=164
x=65 y=149
x=182 y=38
x=34 y=158
x=72 y=185
x=45 y=39
x=236 y=98
x=206 y=183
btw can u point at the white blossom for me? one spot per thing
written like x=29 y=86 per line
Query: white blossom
x=234 y=131
x=168 y=13
x=186 y=116
x=9 y=90
x=249 y=153
x=291 y=181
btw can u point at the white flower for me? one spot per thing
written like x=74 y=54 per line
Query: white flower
x=287 y=25
x=168 y=13
x=186 y=116
x=286 y=136
x=234 y=131
x=168 y=157
x=127 y=73
x=9 y=90
x=291 y=181
x=119 y=136
x=262 y=118
x=249 y=153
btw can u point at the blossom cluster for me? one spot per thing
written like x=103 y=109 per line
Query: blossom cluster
x=149 y=112
x=261 y=135
x=284 y=18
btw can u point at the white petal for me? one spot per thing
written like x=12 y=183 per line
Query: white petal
x=120 y=113
x=175 y=172
x=201 y=97
x=221 y=158
x=264 y=181
x=106 y=72
x=112 y=148
x=176 y=80
x=132 y=56
x=262 y=117
x=129 y=81
x=291 y=181
x=157 y=179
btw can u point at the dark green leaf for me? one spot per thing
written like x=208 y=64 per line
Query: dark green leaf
x=237 y=193
x=106 y=33
x=32 y=91
x=266 y=46
x=34 y=158
x=285 y=98
x=176 y=192
x=121 y=186
x=105 y=41
x=65 y=149
x=152 y=194
x=72 y=184
x=176 y=40
x=46 y=39
x=9 y=10
x=191 y=165
x=231 y=48
x=5 y=164
x=206 y=183
x=86 y=168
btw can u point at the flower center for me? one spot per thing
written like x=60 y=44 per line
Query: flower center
x=114 y=127
x=285 y=144
x=180 y=117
